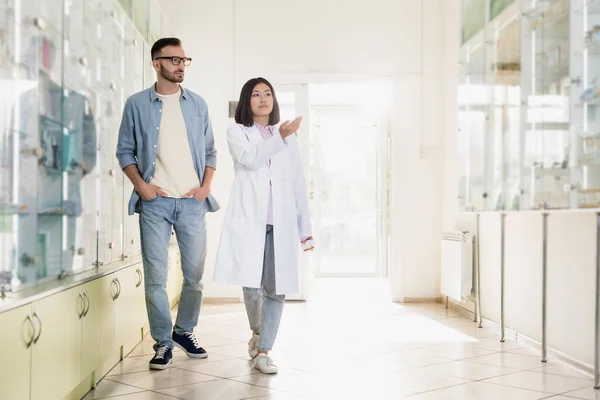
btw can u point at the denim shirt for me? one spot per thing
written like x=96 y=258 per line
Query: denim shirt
x=138 y=137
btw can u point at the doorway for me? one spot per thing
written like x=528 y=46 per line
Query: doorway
x=344 y=144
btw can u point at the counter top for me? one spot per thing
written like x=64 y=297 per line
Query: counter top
x=42 y=290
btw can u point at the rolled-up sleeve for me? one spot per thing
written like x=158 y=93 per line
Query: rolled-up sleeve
x=249 y=155
x=126 y=146
x=209 y=141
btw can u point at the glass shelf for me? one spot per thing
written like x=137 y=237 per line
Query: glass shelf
x=538 y=120
x=60 y=183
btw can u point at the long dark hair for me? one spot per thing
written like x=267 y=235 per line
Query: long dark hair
x=243 y=111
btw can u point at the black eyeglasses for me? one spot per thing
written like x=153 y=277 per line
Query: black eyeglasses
x=177 y=60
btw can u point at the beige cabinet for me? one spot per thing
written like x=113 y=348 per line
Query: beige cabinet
x=56 y=349
x=130 y=307
x=17 y=334
x=98 y=324
x=62 y=339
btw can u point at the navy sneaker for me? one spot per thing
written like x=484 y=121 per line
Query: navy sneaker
x=162 y=358
x=189 y=344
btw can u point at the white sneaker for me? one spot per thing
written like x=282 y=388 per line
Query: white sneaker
x=265 y=364
x=253 y=346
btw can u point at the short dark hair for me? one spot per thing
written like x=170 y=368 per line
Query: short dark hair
x=243 y=111
x=161 y=44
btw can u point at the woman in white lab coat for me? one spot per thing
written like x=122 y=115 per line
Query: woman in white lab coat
x=267 y=217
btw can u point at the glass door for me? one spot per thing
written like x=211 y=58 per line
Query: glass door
x=586 y=121
x=473 y=117
x=346 y=178
x=545 y=91
x=504 y=78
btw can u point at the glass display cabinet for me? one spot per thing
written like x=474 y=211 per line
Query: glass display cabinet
x=503 y=74
x=538 y=123
x=546 y=108
x=134 y=82
x=66 y=68
x=472 y=124
x=585 y=93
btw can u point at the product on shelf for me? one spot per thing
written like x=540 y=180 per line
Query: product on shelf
x=592 y=36
x=589 y=198
x=589 y=93
x=590 y=146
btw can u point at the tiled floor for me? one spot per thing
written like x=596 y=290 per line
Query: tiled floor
x=350 y=347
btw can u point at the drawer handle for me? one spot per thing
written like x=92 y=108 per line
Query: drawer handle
x=113 y=284
x=118 y=287
x=139 y=273
x=80 y=315
x=35 y=340
x=30 y=342
x=88 y=303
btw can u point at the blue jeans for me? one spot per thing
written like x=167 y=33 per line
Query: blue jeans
x=157 y=217
x=263 y=306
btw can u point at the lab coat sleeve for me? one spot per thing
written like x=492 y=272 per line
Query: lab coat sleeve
x=300 y=191
x=249 y=155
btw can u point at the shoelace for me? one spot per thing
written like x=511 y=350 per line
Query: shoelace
x=193 y=338
x=269 y=361
x=160 y=353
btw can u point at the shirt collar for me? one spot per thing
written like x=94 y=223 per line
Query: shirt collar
x=154 y=95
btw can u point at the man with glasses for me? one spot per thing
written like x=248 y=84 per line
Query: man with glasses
x=166 y=148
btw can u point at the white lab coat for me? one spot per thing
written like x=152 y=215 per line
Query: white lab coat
x=241 y=248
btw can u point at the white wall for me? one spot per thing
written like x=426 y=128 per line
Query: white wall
x=319 y=41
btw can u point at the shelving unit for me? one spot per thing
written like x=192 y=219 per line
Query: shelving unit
x=543 y=59
x=66 y=68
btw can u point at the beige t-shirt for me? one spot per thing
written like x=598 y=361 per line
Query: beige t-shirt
x=175 y=172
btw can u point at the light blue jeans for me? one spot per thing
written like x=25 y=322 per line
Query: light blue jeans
x=157 y=218
x=263 y=306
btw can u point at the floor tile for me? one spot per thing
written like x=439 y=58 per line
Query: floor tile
x=588 y=393
x=143 y=396
x=541 y=382
x=131 y=364
x=238 y=350
x=494 y=343
x=398 y=351
x=216 y=390
x=107 y=388
x=283 y=396
x=224 y=369
x=287 y=380
x=528 y=351
x=508 y=360
x=563 y=370
x=486 y=391
x=451 y=351
x=559 y=397
x=420 y=380
x=401 y=361
x=466 y=370
x=152 y=380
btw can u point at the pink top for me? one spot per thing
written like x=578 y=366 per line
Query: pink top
x=267 y=132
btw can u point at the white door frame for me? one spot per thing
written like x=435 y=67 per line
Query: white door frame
x=302 y=108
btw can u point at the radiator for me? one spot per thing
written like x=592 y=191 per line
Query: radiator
x=457 y=265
